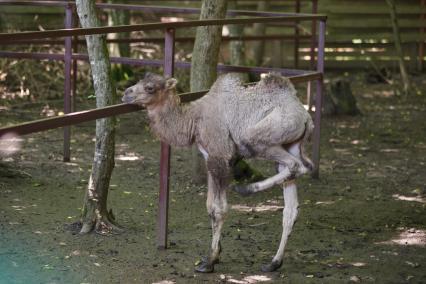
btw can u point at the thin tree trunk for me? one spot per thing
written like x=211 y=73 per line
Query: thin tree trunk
x=259 y=29
x=398 y=46
x=205 y=57
x=95 y=214
x=236 y=47
x=117 y=18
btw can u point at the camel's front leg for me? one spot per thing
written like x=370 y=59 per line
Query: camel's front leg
x=217 y=208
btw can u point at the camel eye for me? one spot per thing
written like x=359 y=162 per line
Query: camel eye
x=149 y=89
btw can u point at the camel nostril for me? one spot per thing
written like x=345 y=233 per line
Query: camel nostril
x=128 y=91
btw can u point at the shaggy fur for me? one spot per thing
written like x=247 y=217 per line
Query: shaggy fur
x=265 y=121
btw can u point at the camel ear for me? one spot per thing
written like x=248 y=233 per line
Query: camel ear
x=171 y=83
x=148 y=75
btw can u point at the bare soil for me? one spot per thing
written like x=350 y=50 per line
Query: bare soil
x=363 y=221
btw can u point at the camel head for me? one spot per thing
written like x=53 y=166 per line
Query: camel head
x=150 y=91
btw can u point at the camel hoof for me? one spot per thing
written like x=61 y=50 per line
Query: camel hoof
x=205 y=267
x=274 y=265
x=242 y=190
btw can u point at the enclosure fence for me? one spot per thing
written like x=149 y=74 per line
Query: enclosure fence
x=168 y=63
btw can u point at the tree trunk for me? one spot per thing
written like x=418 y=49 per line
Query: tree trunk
x=205 y=57
x=117 y=18
x=259 y=29
x=338 y=99
x=95 y=214
x=397 y=39
x=236 y=47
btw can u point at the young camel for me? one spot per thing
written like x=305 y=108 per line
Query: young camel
x=264 y=121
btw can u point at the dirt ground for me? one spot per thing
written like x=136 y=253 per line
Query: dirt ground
x=363 y=221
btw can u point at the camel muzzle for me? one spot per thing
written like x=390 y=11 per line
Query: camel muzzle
x=128 y=98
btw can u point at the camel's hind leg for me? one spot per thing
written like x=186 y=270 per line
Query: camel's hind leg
x=293 y=168
x=290 y=211
x=274 y=129
x=289 y=217
x=296 y=150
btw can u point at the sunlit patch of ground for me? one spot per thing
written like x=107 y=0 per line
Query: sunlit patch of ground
x=250 y=279
x=409 y=198
x=165 y=282
x=384 y=93
x=10 y=144
x=129 y=157
x=326 y=202
x=358 y=264
x=410 y=237
x=257 y=208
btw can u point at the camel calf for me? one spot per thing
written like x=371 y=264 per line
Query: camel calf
x=232 y=121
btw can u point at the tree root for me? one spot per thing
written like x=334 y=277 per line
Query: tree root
x=103 y=225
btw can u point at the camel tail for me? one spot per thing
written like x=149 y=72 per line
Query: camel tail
x=309 y=128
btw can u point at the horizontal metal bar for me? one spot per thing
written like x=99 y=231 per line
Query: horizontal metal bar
x=158 y=63
x=152 y=26
x=189 y=10
x=189 y=97
x=68 y=119
x=161 y=39
x=303 y=78
x=31 y=55
x=147 y=8
x=36 y=3
x=61 y=3
x=299 y=75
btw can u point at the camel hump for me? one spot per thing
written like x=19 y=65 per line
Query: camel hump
x=275 y=80
x=226 y=82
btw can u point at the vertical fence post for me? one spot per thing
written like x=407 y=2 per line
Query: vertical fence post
x=313 y=33
x=74 y=65
x=67 y=83
x=296 y=37
x=422 y=36
x=319 y=98
x=163 y=200
x=312 y=51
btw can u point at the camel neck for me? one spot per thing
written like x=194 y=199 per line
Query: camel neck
x=172 y=122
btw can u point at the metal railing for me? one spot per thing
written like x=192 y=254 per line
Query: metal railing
x=296 y=76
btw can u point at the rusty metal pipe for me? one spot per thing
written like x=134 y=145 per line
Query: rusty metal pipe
x=67 y=82
x=163 y=198
x=153 y=26
x=319 y=99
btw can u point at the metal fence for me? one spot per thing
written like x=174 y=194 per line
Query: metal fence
x=168 y=63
